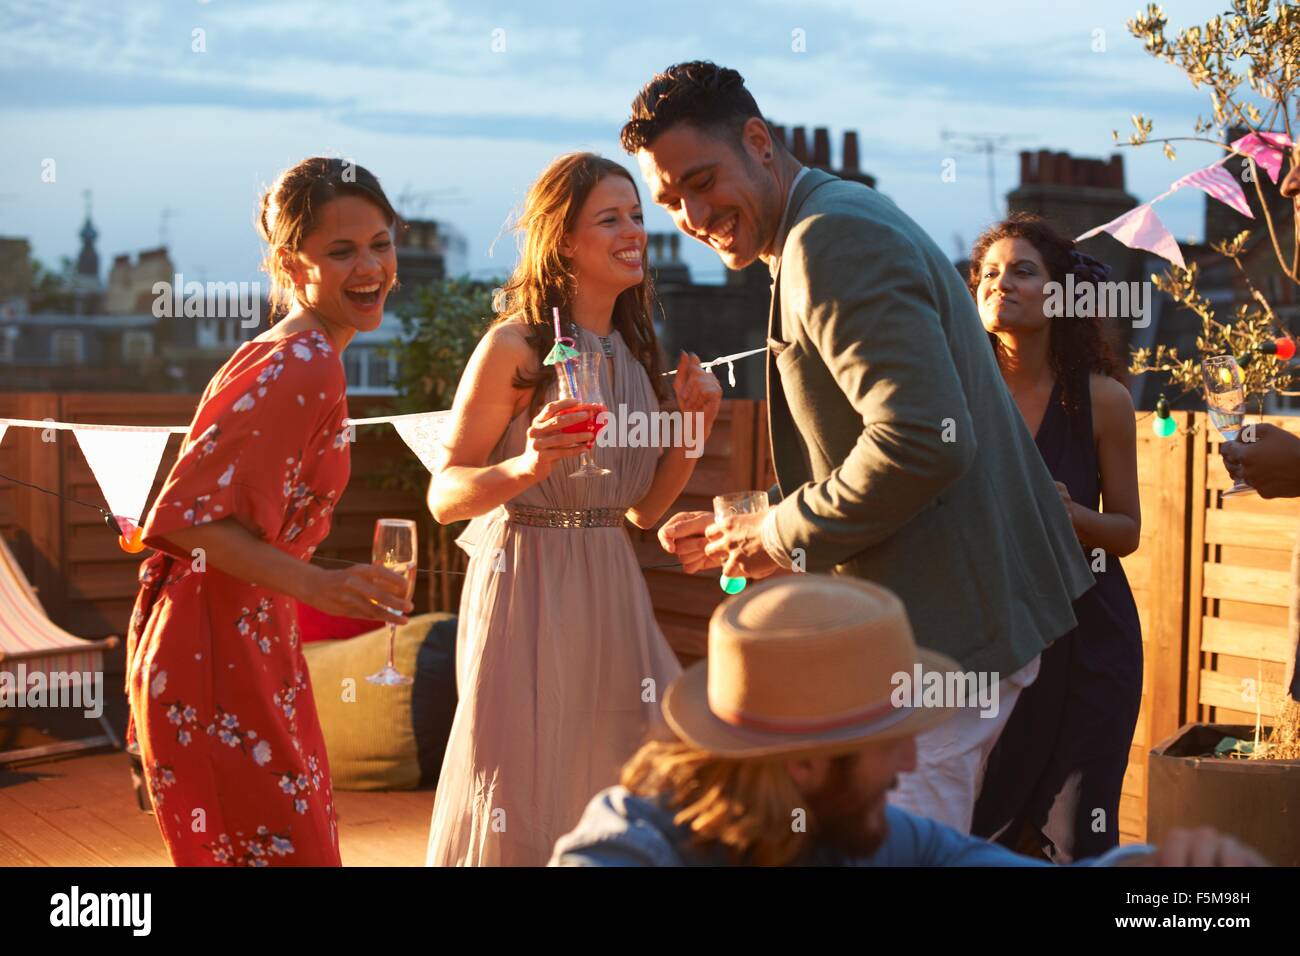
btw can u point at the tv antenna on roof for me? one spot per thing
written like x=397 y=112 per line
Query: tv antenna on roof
x=163 y=218
x=988 y=144
x=411 y=204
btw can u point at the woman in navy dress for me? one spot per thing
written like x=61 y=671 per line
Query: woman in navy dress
x=1053 y=782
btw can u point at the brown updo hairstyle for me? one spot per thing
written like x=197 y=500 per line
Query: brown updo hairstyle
x=542 y=280
x=1077 y=345
x=290 y=208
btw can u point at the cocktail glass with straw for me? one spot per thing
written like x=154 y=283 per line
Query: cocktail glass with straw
x=580 y=378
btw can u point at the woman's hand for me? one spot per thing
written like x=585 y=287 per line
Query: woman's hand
x=1070 y=506
x=547 y=443
x=362 y=590
x=698 y=390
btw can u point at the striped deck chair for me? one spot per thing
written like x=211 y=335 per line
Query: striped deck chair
x=30 y=641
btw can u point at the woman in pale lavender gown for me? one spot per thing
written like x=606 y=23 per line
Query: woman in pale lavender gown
x=559 y=661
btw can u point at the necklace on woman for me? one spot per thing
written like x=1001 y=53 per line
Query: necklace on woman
x=606 y=341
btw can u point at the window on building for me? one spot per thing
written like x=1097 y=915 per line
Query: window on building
x=205 y=333
x=67 y=347
x=383 y=370
x=354 y=367
x=137 y=346
x=369 y=372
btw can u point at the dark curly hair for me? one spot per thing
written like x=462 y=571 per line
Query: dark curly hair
x=700 y=93
x=1078 y=345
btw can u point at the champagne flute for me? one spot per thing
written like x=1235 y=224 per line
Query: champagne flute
x=737 y=503
x=1225 y=400
x=580 y=378
x=394 y=548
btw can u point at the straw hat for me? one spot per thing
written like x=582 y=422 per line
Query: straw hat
x=802 y=663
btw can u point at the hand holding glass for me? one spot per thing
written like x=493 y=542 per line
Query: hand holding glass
x=580 y=378
x=1225 y=400
x=737 y=503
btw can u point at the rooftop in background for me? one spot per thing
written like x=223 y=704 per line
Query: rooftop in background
x=819 y=157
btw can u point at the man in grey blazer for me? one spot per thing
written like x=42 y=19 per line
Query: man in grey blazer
x=900 y=456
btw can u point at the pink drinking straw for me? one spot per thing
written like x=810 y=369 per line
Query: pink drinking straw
x=568 y=367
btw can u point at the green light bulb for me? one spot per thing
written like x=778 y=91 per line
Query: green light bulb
x=732 y=585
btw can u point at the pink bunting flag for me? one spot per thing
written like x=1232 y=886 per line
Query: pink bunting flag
x=1141 y=228
x=1219 y=183
x=1267 y=150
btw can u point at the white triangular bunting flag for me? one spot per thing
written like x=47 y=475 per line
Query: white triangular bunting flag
x=2 y=432
x=125 y=464
x=1141 y=228
x=422 y=432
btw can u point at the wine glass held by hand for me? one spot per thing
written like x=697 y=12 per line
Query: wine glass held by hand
x=395 y=551
x=579 y=379
x=1225 y=401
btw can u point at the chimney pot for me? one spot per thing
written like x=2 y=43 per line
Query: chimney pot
x=800 y=148
x=850 y=161
x=822 y=148
x=1027 y=168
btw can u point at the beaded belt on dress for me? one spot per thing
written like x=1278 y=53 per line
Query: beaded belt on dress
x=559 y=518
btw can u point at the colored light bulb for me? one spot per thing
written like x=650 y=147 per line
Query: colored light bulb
x=732 y=585
x=1285 y=349
x=1163 y=424
x=134 y=544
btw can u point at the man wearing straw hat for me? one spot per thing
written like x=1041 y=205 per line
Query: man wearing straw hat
x=900 y=456
x=790 y=736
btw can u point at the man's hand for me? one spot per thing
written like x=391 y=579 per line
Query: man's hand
x=683 y=535
x=737 y=542
x=1204 y=847
x=1270 y=463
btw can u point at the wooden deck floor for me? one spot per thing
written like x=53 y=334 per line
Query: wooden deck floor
x=82 y=812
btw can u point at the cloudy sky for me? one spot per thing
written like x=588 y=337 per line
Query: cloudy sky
x=459 y=104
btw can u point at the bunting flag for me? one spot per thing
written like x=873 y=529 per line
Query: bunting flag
x=124 y=458
x=1141 y=228
x=125 y=464
x=422 y=433
x=1219 y=183
x=1266 y=149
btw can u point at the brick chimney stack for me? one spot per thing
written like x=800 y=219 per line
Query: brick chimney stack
x=796 y=140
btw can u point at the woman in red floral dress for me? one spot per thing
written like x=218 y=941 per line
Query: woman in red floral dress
x=221 y=704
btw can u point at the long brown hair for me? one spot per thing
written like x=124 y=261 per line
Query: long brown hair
x=744 y=806
x=289 y=210
x=542 y=280
x=1077 y=345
